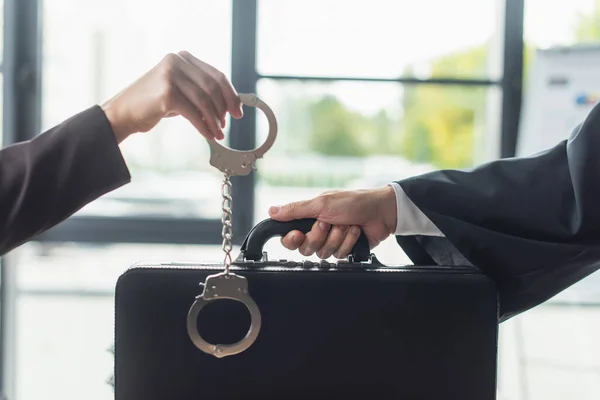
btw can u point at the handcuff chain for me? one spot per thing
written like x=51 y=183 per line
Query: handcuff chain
x=226 y=220
x=228 y=285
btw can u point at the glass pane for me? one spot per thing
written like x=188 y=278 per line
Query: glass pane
x=380 y=38
x=552 y=351
x=65 y=314
x=359 y=135
x=561 y=23
x=102 y=49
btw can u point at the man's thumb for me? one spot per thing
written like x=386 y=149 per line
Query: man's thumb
x=296 y=210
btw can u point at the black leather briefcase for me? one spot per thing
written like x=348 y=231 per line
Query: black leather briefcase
x=345 y=330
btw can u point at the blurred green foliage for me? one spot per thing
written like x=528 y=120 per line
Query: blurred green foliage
x=439 y=123
x=587 y=26
x=338 y=131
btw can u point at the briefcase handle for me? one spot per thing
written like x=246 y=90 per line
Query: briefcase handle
x=252 y=248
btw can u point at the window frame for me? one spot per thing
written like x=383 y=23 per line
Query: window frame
x=22 y=76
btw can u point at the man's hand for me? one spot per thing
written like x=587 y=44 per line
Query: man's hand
x=179 y=85
x=341 y=215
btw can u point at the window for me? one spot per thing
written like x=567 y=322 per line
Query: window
x=341 y=80
x=378 y=39
x=551 y=352
x=64 y=308
x=171 y=174
x=344 y=135
x=549 y=24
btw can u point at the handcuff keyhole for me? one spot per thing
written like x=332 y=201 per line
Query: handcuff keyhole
x=223 y=321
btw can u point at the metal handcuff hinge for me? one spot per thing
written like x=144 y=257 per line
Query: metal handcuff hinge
x=228 y=285
x=239 y=162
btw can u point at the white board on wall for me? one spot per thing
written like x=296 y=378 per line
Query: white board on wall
x=561 y=89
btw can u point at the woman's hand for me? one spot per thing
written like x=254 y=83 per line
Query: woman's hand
x=179 y=85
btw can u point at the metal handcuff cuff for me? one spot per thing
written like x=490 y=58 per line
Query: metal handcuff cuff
x=228 y=285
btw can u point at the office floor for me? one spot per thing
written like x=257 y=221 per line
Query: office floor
x=65 y=328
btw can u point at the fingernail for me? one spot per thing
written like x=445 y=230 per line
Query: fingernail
x=274 y=210
x=324 y=226
x=355 y=230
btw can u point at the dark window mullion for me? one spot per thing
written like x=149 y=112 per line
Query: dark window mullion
x=135 y=230
x=21 y=70
x=431 y=81
x=512 y=82
x=243 y=131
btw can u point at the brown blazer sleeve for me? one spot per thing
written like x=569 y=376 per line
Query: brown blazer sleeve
x=47 y=179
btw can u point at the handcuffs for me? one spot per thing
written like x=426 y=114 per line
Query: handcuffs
x=228 y=285
x=239 y=162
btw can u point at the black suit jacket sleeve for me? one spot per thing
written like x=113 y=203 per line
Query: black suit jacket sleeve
x=45 y=180
x=532 y=224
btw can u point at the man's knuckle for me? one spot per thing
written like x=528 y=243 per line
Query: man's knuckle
x=321 y=202
x=290 y=207
x=340 y=230
x=330 y=192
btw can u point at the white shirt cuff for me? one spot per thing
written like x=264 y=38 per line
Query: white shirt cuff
x=410 y=220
